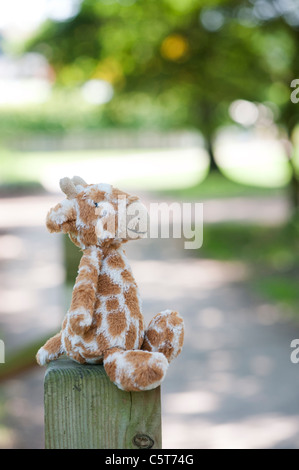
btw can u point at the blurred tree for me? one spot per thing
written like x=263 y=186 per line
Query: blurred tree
x=190 y=59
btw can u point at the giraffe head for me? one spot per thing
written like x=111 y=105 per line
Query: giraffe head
x=95 y=213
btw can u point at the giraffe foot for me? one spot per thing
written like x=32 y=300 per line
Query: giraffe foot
x=135 y=370
x=165 y=334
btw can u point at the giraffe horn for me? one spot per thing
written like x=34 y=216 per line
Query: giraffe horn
x=68 y=187
x=77 y=180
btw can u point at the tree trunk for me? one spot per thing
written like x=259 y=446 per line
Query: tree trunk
x=209 y=147
x=294 y=187
x=294 y=183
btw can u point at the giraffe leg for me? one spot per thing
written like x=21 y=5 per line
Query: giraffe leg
x=165 y=334
x=135 y=370
x=51 y=350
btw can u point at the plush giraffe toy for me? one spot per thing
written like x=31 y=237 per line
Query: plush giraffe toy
x=104 y=323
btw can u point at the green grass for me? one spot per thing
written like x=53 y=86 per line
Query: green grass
x=272 y=253
x=171 y=178
x=281 y=289
x=216 y=185
x=124 y=167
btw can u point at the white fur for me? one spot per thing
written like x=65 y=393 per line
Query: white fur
x=107 y=188
x=79 y=222
x=61 y=214
x=93 y=257
x=43 y=356
x=85 y=282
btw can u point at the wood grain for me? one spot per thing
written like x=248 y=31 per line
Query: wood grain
x=85 y=410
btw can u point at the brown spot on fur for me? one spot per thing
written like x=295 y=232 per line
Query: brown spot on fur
x=127 y=383
x=106 y=286
x=117 y=322
x=146 y=345
x=174 y=320
x=154 y=337
x=132 y=301
x=96 y=195
x=161 y=323
x=131 y=337
x=86 y=211
x=127 y=276
x=144 y=374
x=53 y=344
x=110 y=368
x=75 y=324
x=141 y=324
x=149 y=375
x=88 y=236
x=90 y=334
x=83 y=296
x=166 y=349
x=112 y=304
x=69 y=226
x=88 y=217
x=115 y=261
x=161 y=341
x=181 y=339
x=97 y=319
x=102 y=342
x=136 y=357
x=168 y=335
x=68 y=344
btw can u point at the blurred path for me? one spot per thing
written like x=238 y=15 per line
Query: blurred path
x=31 y=307
x=233 y=385
x=32 y=274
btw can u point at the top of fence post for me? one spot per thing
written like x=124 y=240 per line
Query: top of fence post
x=85 y=410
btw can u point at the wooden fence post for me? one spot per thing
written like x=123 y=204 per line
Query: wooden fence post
x=85 y=410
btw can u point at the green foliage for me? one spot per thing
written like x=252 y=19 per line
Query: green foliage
x=267 y=247
x=194 y=57
x=64 y=112
x=281 y=289
x=180 y=63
